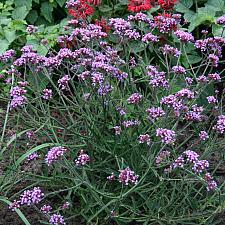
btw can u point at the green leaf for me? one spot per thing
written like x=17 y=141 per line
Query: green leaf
x=123 y=2
x=32 y=16
x=42 y=50
x=194 y=59
x=188 y=16
x=104 y=8
x=217 y=5
x=20 y=214
x=27 y=3
x=37 y=148
x=136 y=47
x=5 y=21
x=10 y=35
x=18 y=25
x=4 y=45
x=203 y=16
x=61 y=2
x=37 y=1
x=46 y=11
x=20 y=13
x=218 y=30
x=184 y=6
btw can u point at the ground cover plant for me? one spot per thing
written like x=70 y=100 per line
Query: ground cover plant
x=122 y=122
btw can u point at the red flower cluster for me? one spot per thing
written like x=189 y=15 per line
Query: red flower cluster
x=103 y=23
x=81 y=11
x=94 y=2
x=167 y=4
x=139 y=5
x=84 y=8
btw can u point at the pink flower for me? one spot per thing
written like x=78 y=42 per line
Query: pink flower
x=134 y=98
x=144 y=138
x=82 y=159
x=167 y=136
x=127 y=176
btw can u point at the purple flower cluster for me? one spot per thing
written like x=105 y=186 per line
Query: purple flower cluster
x=155 y=113
x=32 y=156
x=171 y=51
x=220 y=125
x=47 y=94
x=28 y=197
x=184 y=36
x=82 y=159
x=167 y=136
x=145 y=138
x=123 y=28
x=198 y=166
x=221 y=20
x=203 y=135
x=31 y=29
x=64 y=82
x=158 y=79
x=7 y=55
x=179 y=69
x=46 y=209
x=130 y=123
x=18 y=97
x=211 y=45
x=54 y=154
x=89 y=33
x=134 y=98
x=117 y=130
x=150 y=38
x=127 y=176
x=57 y=219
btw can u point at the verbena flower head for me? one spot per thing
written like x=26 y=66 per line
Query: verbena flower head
x=166 y=23
x=47 y=94
x=64 y=82
x=211 y=100
x=134 y=98
x=32 y=156
x=82 y=159
x=200 y=166
x=190 y=156
x=167 y=136
x=155 y=113
x=31 y=29
x=127 y=176
x=179 y=69
x=117 y=130
x=33 y=196
x=14 y=205
x=54 y=154
x=221 y=20
x=57 y=219
x=145 y=138
x=220 y=125
x=184 y=36
x=46 y=209
x=203 y=135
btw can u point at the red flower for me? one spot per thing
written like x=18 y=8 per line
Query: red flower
x=81 y=11
x=167 y=4
x=103 y=23
x=94 y=2
x=139 y=5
